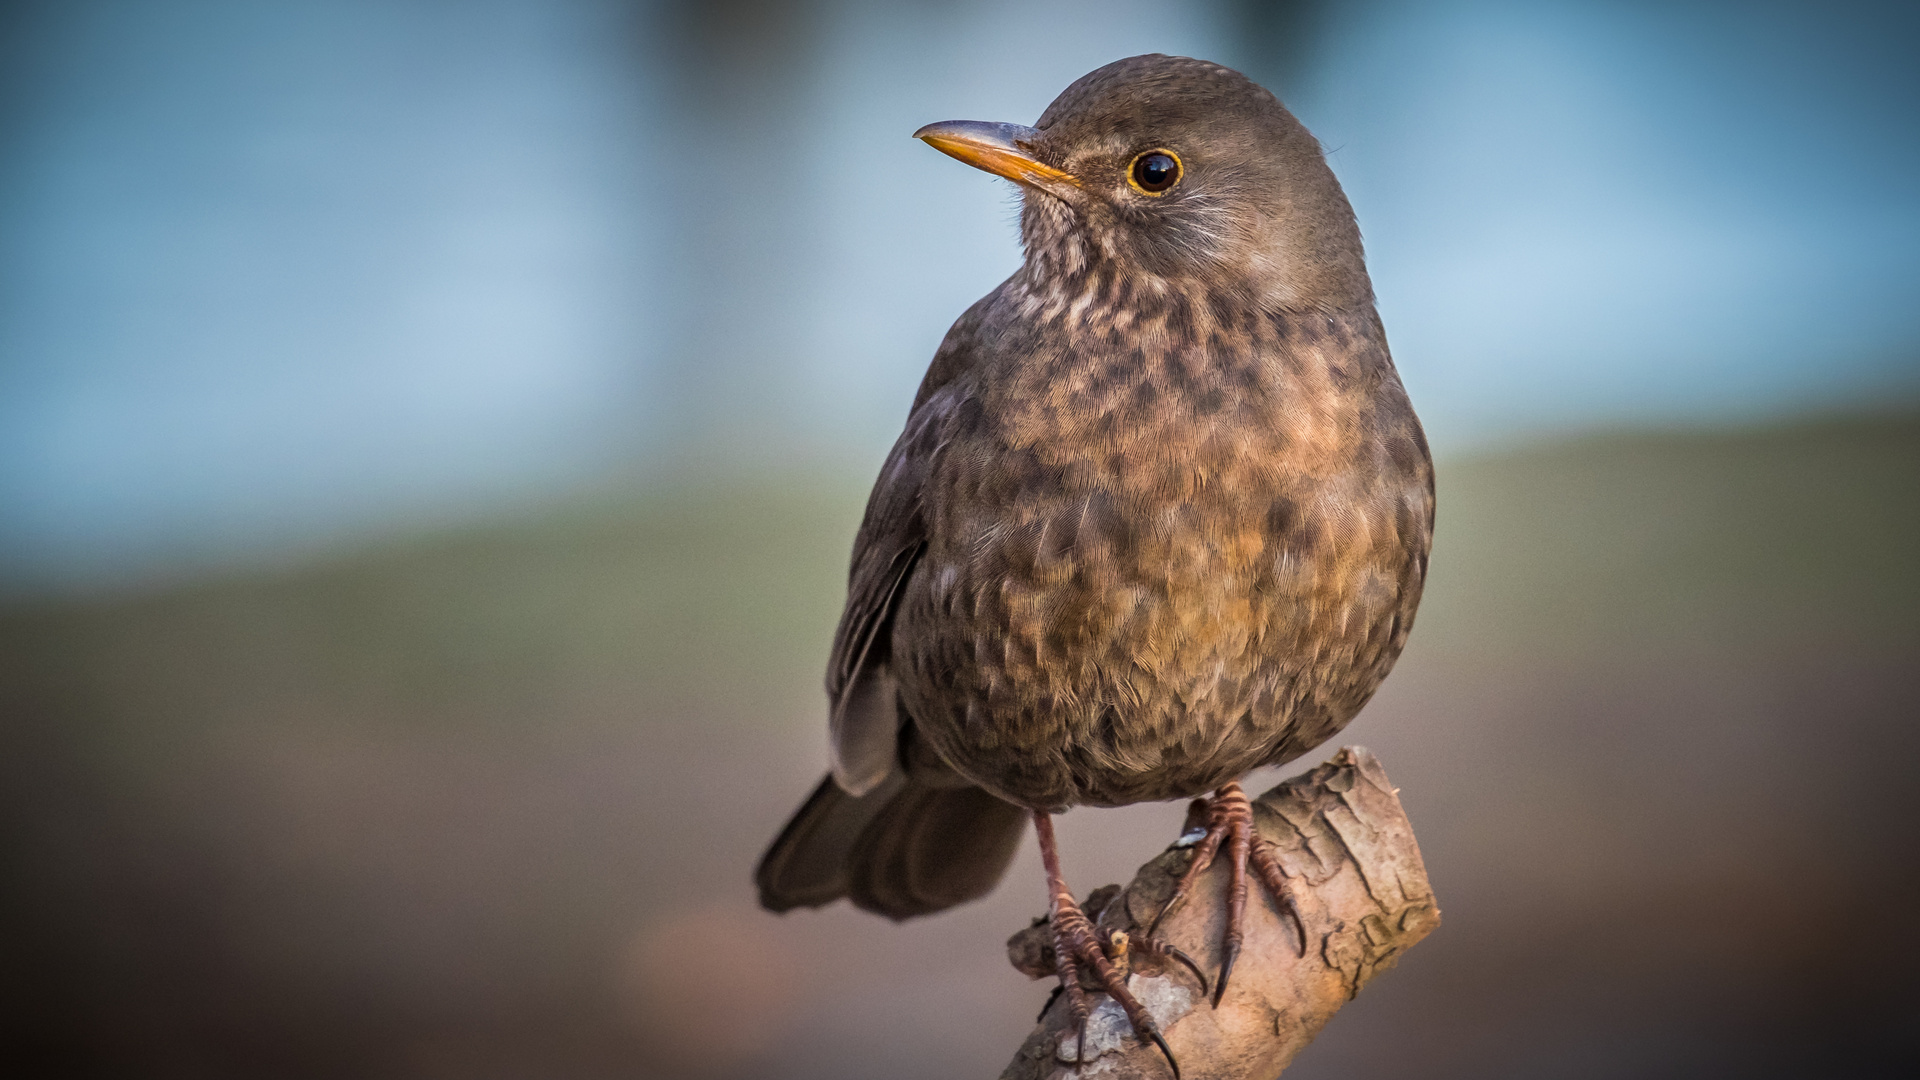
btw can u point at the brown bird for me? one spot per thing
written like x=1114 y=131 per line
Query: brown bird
x=1160 y=514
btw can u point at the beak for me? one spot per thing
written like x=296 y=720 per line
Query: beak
x=1001 y=149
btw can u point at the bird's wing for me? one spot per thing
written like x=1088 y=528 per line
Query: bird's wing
x=865 y=718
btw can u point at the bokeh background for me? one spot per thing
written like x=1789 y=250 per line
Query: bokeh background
x=431 y=434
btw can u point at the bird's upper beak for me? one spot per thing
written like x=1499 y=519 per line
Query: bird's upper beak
x=1001 y=149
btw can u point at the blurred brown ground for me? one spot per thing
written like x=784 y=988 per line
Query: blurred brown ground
x=485 y=804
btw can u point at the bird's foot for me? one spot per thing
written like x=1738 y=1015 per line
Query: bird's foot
x=1103 y=958
x=1082 y=949
x=1228 y=818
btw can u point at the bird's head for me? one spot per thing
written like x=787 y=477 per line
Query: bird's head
x=1178 y=169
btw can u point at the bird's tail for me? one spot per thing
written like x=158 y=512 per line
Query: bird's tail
x=905 y=848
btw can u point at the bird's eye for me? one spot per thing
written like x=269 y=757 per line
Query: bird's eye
x=1154 y=172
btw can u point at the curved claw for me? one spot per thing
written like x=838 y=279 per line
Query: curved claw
x=1190 y=965
x=1165 y=1050
x=1230 y=953
x=1153 y=928
x=1299 y=927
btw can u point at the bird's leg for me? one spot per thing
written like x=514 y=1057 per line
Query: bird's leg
x=1077 y=944
x=1229 y=820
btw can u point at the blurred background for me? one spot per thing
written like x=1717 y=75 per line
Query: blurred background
x=431 y=435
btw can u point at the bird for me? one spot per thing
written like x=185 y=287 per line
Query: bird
x=1160 y=515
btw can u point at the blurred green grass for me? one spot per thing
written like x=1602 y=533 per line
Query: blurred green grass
x=715 y=592
x=403 y=811
x=1737 y=539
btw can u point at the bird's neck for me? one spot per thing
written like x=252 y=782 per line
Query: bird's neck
x=1070 y=288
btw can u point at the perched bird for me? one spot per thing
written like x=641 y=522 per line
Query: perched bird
x=1160 y=514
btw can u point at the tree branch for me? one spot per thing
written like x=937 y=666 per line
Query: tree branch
x=1356 y=873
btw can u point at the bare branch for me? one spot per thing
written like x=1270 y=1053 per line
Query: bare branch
x=1355 y=871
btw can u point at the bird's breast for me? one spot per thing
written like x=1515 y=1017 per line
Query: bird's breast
x=1152 y=561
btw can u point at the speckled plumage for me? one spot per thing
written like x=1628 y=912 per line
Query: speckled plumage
x=1161 y=511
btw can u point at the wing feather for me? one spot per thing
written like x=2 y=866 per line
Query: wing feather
x=865 y=718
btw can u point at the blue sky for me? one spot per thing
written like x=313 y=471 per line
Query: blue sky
x=277 y=276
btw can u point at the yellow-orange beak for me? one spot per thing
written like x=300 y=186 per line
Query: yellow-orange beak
x=1001 y=149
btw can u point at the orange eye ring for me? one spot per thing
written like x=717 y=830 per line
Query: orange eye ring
x=1154 y=172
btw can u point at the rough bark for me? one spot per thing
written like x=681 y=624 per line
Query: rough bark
x=1349 y=854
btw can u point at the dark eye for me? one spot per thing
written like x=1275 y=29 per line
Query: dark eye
x=1154 y=172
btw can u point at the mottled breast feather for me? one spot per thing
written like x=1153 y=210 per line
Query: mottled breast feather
x=1168 y=537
